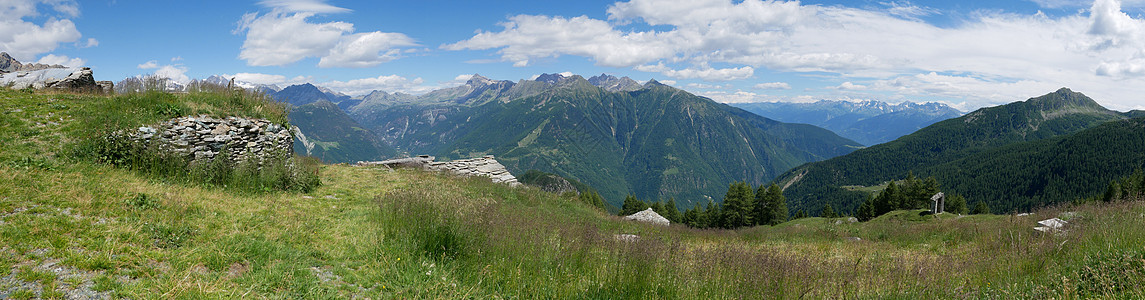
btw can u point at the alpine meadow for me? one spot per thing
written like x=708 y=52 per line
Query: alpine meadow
x=618 y=149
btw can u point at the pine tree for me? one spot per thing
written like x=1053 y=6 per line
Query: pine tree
x=956 y=204
x=737 y=209
x=671 y=212
x=828 y=212
x=692 y=216
x=887 y=200
x=658 y=208
x=800 y=214
x=709 y=216
x=770 y=205
x=866 y=211
x=632 y=205
x=713 y=216
x=981 y=208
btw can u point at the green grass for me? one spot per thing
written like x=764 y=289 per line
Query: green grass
x=406 y=234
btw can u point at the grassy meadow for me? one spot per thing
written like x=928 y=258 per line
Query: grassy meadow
x=74 y=224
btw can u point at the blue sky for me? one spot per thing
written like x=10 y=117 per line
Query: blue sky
x=968 y=54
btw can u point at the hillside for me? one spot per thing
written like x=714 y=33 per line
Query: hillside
x=74 y=228
x=656 y=142
x=867 y=122
x=969 y=138
x=329 y=134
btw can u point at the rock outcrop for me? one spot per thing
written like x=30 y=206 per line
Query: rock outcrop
x=40 y=76
x=485 y=166
x=648 y=216
x=204 y=138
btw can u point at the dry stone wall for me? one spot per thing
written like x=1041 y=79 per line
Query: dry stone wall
x=203 y=138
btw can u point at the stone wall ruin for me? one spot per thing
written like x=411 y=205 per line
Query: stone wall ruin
x=203 y=138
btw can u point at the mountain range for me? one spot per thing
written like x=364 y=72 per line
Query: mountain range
x=1017 y=156
x=614 y=134
x=868 y=122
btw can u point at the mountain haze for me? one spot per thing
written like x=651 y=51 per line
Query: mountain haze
x=867 y=122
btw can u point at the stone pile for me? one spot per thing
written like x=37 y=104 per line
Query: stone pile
x=485 y=166
x=648 y=216
x=203 y=138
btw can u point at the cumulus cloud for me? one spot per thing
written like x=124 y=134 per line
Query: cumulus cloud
x=151 y=64
x=851 y=86
x=682 y=38
x=259 y=78
x=393 y=83
x=176 y=73
x=303 y=6
x=90 y=42
x=24 y=39
x=773 y=86
x=527 y=38
x=52 y=59
x=285 y=36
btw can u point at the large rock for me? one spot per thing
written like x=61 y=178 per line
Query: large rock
x=55 y=78
x=649 y=216
x=485 y=166
x=40 y=76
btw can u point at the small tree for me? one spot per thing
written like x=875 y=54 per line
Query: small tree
x=671 y=212
x=956 y=204
x=981 y=208
x=866 y=211
x=738 y=205
x=828 y=212
x=800 y=214
x=632 y=205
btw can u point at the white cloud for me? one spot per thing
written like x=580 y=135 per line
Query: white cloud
x=1080 y=3
x=392 y=83
x=259 y=78
x=851 y=86
x=1007 y=52
x=176 y=73
x=24 y=39
x=52 y=59
x=908 y=10
x=773 y=86
x=364 y=50
x=278 y=38
x=527 y=38
x=316 y=6
x=90 y=42
x=285 y=36
x=151 y=64
x=733 y=97
x=707 y=73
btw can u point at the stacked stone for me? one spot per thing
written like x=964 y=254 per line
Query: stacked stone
x=484 y=166
x=203 y=138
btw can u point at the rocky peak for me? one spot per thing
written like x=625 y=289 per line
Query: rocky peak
x=478 y=80
x=7 y=63
x=612 y=84
x=550 y=78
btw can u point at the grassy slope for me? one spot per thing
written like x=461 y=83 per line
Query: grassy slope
x=70 y=226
